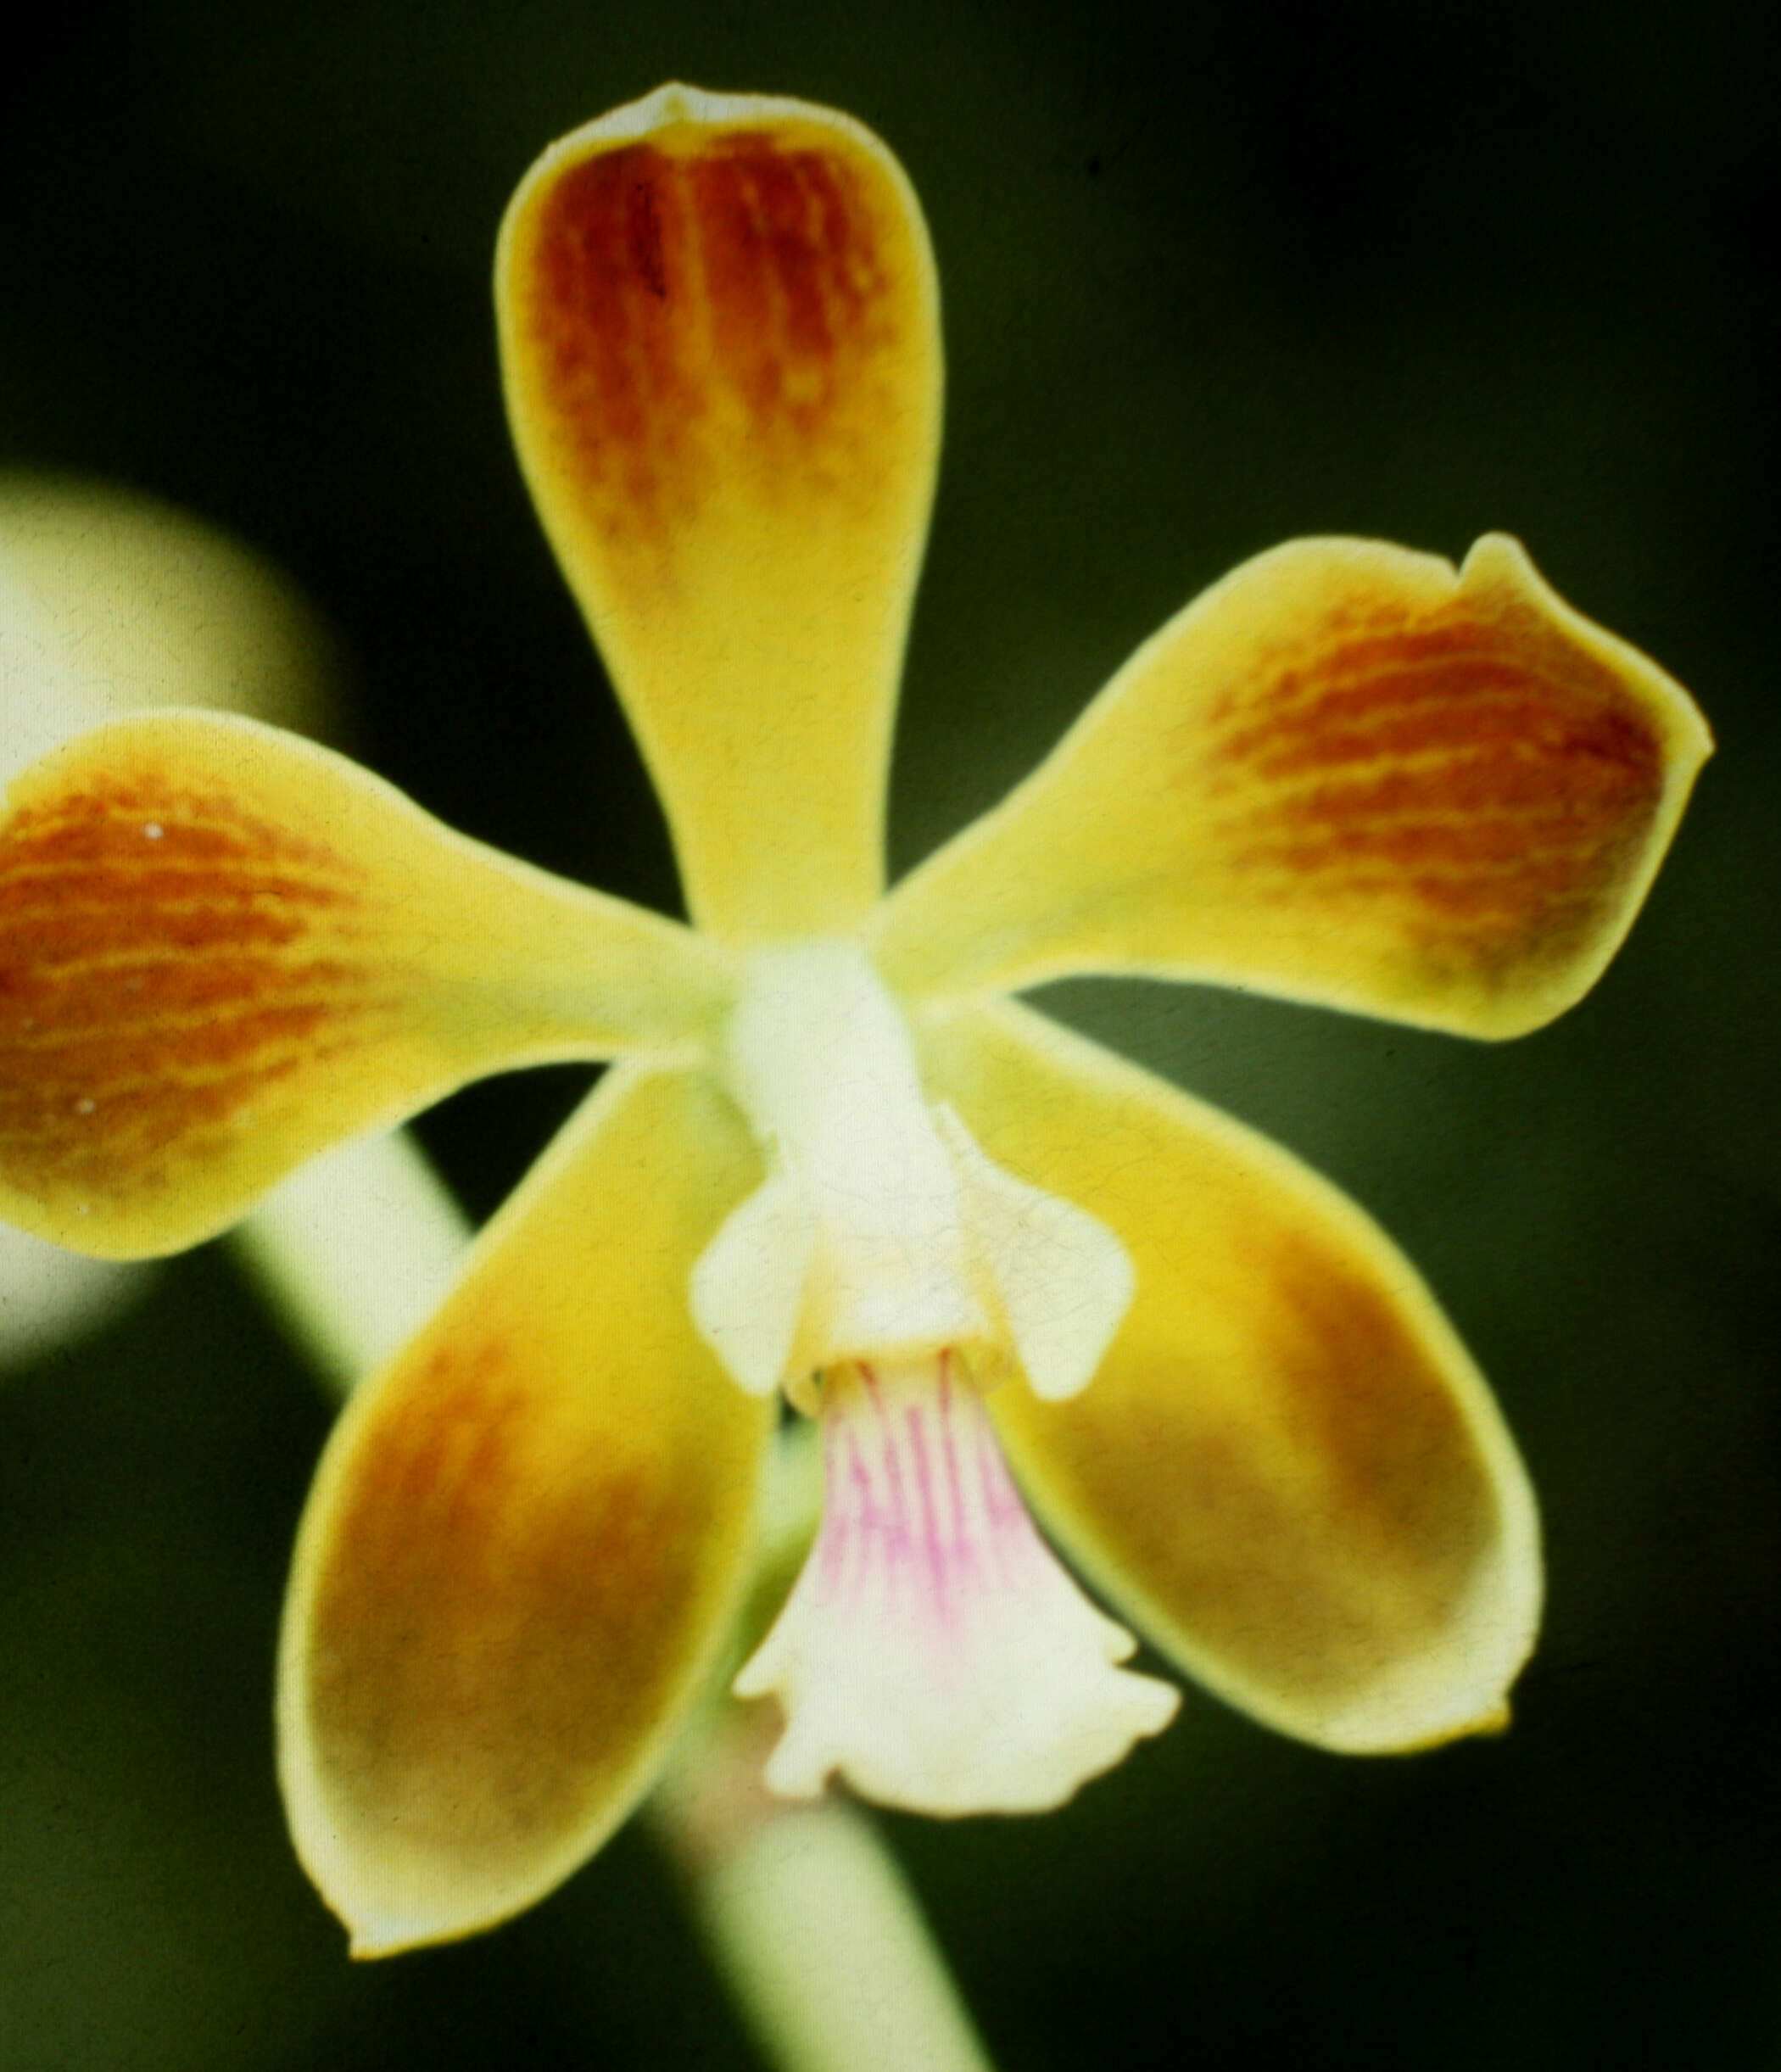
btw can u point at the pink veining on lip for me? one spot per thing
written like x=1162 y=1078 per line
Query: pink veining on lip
x=923 y=1520
x=934 y=1652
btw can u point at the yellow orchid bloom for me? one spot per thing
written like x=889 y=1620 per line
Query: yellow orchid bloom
x=836 y=1161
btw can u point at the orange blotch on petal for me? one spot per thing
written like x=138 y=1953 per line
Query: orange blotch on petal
x=1470 y=775
x=166 y=961
x=695 y=303
x=1344 y=1512
x=525 y=1540
x=720 y=341
x=490 y=1606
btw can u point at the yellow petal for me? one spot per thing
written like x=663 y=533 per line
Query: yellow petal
x=223 y=948
x=720 y=332
x=1288 y=1473
x=527 y=1538
x=1346 y=775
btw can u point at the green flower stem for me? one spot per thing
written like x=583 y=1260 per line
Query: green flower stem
x=804 y=1911
x=355 y=1251
x=810 y=1919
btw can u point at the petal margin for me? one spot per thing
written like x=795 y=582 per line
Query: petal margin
x=527 y=1538
x=1288 y=1472
x=719 y=330
x=223 y=948
x=1347 y=774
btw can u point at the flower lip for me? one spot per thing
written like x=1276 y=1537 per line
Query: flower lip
x=934 y=1652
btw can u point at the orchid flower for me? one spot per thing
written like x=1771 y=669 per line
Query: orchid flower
x=836 y=1161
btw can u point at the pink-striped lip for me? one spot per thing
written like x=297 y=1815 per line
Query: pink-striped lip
x=934 y=1652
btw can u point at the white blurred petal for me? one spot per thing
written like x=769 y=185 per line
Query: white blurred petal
x=112 y=601
x=48 y=1297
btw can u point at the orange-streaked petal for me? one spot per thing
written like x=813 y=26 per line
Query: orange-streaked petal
x=223 y=948
x=111 y=601
x=1347 y=774
x=720 y=332
x=1286 y=1473
x=527 y=1538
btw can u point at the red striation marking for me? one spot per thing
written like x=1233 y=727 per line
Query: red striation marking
x=669 y=287
x=153 y=986
x=646 y=238
x=1486 y=772
x=834 y=1532
x=897 y=1537
x=865 y=1507
x=960 y=1551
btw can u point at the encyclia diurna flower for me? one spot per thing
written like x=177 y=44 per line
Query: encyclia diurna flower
x=835 y=1160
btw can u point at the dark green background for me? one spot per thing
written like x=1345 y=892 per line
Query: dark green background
x=1214 y=275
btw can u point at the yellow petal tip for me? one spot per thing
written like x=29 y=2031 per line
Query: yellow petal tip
x=366 y=1947
x=1489 y=1725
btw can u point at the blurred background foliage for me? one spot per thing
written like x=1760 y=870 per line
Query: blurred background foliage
x=1215 y=274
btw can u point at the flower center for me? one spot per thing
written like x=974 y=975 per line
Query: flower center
x=882 y=1231
x=882 y=1273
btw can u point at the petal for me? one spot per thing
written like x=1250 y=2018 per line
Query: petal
x=747 y=1289
x=112 y=601
x=50 y=1298
x=1288 y=1473
x=720 y=332
x=1062 y=1281
x=223 y=948
x=933 y=1651
x=1346 y=775
x=526 y=1540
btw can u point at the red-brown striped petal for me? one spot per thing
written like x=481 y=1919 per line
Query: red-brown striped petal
x=1346 y=775
x=527 y=1537
x=223 y=948
x=1286 y=1473
x=720 y=332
